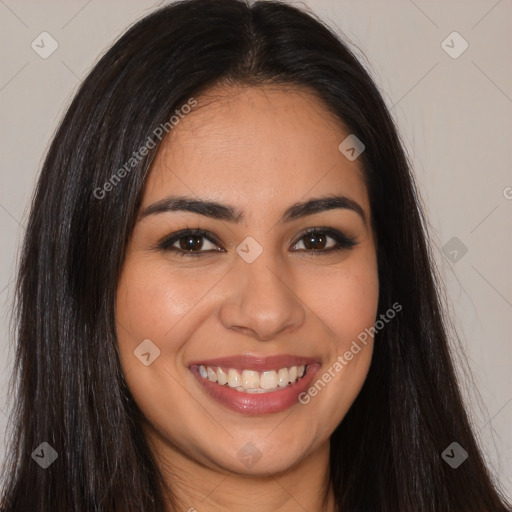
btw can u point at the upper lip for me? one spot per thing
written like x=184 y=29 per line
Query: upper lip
x=256 y=362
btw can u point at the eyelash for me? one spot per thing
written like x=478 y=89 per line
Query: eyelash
x=343 y=241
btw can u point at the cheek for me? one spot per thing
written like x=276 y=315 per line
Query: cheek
x=348 y=307
x=357 y=304
x=163 y=304
x=151 y=302
x=354 y=305
x=151 y=299
x=146 y=309
x=346 y=299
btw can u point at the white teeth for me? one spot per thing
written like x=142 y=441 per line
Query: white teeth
x=251 y=381
x=252 y=391
x=283 y=378
x=211 y=374
x=222 y=377
x=234 y=379
x=268 y=380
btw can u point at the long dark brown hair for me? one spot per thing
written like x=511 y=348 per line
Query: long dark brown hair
x=68 y=383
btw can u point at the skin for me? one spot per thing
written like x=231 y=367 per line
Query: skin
x=278 y=146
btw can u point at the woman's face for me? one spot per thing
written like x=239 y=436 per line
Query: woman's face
x=247 y=305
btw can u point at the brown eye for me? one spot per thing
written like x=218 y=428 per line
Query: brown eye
x=189 y=242
x=317 y=241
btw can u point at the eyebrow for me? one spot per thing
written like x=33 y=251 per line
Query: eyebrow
x=229 y=213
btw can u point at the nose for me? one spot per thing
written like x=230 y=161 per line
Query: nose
x=261 y=301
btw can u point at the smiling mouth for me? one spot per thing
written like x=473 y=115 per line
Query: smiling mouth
x=254 y=384
x=252 y=381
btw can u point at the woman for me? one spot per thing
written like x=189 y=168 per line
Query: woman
x=226 y=297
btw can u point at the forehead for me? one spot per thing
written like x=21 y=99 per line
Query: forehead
x=253 y=146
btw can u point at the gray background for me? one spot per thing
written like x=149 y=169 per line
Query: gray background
x=454 y=117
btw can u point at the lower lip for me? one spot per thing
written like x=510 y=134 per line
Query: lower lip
x=257 y=403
